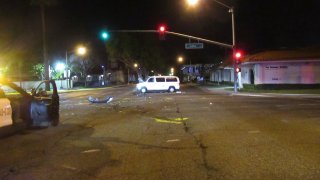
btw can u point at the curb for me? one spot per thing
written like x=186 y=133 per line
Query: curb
x=231 y=93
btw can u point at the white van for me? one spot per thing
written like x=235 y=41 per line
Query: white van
x=160 y=83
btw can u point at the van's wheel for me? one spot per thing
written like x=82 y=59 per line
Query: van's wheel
x=143 y=90
x=172 y=89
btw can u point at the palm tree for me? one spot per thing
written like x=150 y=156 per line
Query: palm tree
x=43 y=4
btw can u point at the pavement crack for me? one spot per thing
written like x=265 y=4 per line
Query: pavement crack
x=198 y=141
x=203 y=149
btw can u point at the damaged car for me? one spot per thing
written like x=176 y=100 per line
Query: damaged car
x=18 y=108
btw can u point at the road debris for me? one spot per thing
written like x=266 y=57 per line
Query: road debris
x=91 y=151
x=173 y=140
x=108 y=99
x=254 y=132
x=69 y=167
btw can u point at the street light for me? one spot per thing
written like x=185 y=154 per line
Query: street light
x=193 y=2
x=60 y=67
x=135 y=65
x=104 y=73
x=180 y=70
x=180 y=59
x=81 y=50
x=172 y=71
x=231 y=10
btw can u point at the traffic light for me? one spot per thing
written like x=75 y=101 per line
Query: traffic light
x=237 y=57
x=105 y=35
x=162 y=31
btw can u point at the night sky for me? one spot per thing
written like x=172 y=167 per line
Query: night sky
x=260 y=25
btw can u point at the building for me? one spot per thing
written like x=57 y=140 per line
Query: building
x=281 y=68
x=195 y=71
x=223 y=74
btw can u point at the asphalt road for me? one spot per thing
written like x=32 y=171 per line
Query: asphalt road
x=190 y=135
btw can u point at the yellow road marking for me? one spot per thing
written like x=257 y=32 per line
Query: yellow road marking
x=167 y=121
x=181 y=119
x=171 y=121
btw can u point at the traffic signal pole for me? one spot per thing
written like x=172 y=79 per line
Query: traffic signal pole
x=177 y=34
x=235 y=89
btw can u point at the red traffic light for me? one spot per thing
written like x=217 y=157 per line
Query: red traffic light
x=162 y=32
x=238 y=70
x=162 y=28
x=238 y=55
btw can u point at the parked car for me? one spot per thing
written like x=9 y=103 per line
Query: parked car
x=159 y=83
x=21 y=109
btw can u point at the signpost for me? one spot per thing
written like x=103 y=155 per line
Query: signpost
x=194 y=46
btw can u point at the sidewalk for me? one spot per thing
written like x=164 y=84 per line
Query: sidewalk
x=228 y=90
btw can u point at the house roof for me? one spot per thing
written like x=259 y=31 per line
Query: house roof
x=283 y=55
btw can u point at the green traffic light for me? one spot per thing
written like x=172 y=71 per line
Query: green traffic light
x=105 y=35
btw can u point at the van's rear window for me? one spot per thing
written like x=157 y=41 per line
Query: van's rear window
x=172 y=80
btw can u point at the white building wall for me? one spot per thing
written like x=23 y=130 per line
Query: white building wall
x=227 y=74
x=245 y=73
x=282 y=73
x=215 y=75
x=222 y=75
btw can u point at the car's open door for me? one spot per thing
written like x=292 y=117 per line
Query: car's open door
x=44 y=107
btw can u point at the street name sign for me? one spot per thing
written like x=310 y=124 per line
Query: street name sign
x=194 y=45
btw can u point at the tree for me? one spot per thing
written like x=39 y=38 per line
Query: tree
x=38 y=70
x=43 y=4
x=136 y=48
x=3 y=71
x=81 y=67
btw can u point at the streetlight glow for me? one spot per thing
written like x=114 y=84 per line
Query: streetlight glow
x=82 y=50
x=135 y=65
x=171 y=71
x=60 y=67
x=192 y=2
x=180 y=59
